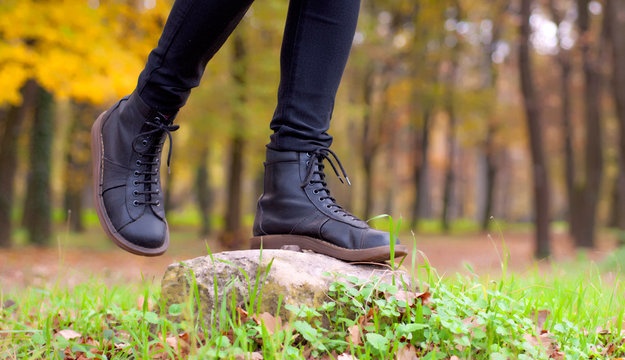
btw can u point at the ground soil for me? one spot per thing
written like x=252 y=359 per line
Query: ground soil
x=68 y=264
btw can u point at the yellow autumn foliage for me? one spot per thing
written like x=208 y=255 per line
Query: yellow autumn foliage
x=76 y=51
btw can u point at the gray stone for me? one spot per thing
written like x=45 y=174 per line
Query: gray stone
x=300 y=278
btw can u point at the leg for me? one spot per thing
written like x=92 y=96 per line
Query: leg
x=317 y=40
x=296 y=207
x=194 y=32
x=127 y=140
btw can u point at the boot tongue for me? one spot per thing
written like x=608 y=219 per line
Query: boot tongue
x=316 y=177
x=165 y=118
x=317 y=158
x=148 y=144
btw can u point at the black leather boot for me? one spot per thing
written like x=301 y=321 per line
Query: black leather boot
x=296 y=209
x=126 y=144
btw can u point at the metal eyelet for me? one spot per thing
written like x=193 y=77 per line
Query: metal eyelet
x=135 y=183
x=328 y=206
x=138 y=162
x=135 y=203
x=307 y=162
x=158 y=203
x=308 y=154
x=135 y=193
x=137 y=173
x=315 y=191
x=144 y=142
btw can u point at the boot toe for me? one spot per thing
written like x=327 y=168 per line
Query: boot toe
x=147 y=231
x=350 y=237
x=374 y=238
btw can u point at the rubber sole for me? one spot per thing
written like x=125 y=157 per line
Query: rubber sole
x=376 y=254
x=97 y=154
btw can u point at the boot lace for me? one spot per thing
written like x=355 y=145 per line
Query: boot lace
x=149 y=164
x=316 y=166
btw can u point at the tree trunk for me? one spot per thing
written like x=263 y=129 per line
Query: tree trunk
x=588 y=193
x=232 y=236
x=534 y=117
x=491 y=176
x=450 y=109
x=77 y=163
x=616 y=202
x=391 y=159
x=489 y=82
x=450 y=175
x=616 y=12
x=450 y=171
x=421 y=168
x=369 y=142
x=37 y=215
x=204 y=193
x=13 y=120
x=567 y=126
x=368 y=185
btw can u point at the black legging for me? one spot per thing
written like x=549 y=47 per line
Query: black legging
x=317 y=40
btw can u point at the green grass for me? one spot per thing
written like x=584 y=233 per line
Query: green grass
x=472 y=317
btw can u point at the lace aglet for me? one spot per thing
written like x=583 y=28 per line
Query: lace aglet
x=168 y=170
x=348 y=182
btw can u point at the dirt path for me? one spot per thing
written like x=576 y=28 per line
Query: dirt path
x=29 y=266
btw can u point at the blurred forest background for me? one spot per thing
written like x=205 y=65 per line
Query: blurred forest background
x=452 y=114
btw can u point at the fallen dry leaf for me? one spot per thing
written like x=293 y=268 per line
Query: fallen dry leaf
x=354 y=335
x=69 y=334
x=425 y=297
x=601 y=331
x=56 y=321
x=407 y=352
x=7 y=304
x=548 y=343
x=410 y=297
x=250 y=356
x=540 y=317
x=141 y=301
x=242 y=313
x=306 y=351
x=472 y=323
x=609 y=349
x=121 y=346
x=363 y=320
x=179 y=343
x=407 y=296
x=271 y=322
x=371 y=313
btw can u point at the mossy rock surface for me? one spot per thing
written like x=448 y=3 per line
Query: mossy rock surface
x=299 y=278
